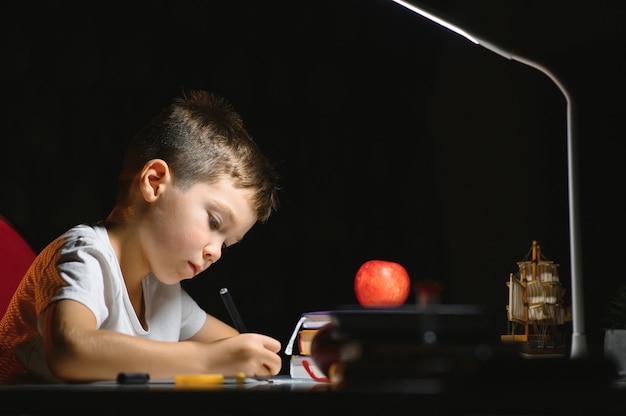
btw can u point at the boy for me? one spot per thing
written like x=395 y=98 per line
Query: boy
x=106 y=298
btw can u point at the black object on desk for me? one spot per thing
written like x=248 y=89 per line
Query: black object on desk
x=429 y=348
x=442 y=348
x=133 y=378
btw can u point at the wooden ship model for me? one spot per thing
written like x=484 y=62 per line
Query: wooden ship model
x=536 y=313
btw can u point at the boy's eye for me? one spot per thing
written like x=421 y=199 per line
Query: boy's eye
x=213 y=222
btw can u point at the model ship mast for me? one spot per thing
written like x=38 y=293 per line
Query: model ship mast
x=535 y=312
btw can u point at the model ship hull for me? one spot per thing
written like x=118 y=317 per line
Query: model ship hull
x=536 y=314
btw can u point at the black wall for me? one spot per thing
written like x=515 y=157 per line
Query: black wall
x=395 y=138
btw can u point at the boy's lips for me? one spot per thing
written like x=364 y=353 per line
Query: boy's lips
x=195 y=269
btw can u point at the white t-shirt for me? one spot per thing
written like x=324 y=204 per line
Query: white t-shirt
x=81 y=265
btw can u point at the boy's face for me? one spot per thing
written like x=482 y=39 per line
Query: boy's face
x=183 y=233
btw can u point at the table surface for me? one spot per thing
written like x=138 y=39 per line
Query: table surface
x=281 y=395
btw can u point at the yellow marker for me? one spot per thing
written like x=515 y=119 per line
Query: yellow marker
x=196 y=380
x=199 y=380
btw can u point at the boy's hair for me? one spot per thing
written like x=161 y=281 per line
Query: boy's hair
x=202 y=138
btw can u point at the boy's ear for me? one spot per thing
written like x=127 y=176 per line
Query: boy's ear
x=154 y=178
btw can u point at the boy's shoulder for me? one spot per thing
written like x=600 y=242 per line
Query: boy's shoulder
x=85 y=230
x=83 y=236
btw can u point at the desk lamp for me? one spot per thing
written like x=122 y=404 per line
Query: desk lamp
x=579 y=340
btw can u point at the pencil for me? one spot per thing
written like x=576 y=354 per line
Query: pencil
x=232 y=310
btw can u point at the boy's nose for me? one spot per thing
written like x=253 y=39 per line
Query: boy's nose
x=213 y=251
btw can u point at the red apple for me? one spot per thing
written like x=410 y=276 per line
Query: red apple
x=381 y=284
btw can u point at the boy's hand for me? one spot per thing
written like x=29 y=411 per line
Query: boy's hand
x=256 y=355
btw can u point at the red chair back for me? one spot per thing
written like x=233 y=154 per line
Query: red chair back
x=16 y=256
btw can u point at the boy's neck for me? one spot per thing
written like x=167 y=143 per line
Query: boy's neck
x=124 y=242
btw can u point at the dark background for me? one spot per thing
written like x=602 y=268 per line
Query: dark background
x=395 y=138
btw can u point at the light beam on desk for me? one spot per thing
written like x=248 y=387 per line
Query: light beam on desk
x=579 y=339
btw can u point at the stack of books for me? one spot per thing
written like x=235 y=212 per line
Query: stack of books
x=430 y=348
x=301 y=364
